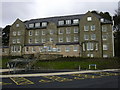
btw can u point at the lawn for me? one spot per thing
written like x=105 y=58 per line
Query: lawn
x=3 y=62
x=74 y=63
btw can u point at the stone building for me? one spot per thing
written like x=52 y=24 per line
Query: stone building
x=83 y=35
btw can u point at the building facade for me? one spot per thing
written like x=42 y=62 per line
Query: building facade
x=84 y=35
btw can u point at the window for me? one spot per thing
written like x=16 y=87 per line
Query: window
x=68 y=21
x=14 y=33
x=51 y=31
x=76 y=21
x=93 y=37
x=30 y=40
x=51 y=39
x=75 y=30
x=17 y=25
x=40 y=49
x=92 y=27
x=44 y=24
x=43 y=40
x=90 y=46
x=96 y=46
x=36 y=41
x=83 y=47
x=27 y=49
x=37 y=24
x=14 y=40
x=89 y=55
x=105 y=55
x=105 y=47
x=13 y=49
x=89 y=18
x=19 y=33
x=18 y=40
x=31 y=25
x=102 y=19
x=60 y=39
x=68 y=39
x=3 y=50
x=60 y=31
x=36 y=32
x=86 y=28
x=75 y=48
x=86 y=37
x=104 y=28
x=104 y=37
x=59 y=49
x=60 y=23
x=33 y=49
x=67 y=30
x=30 y=33
x=67 y=49
x=49 y=48
x=43 y=32
x=19 y=48
x=75 y=39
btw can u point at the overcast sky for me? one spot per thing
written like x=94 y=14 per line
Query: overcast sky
x=24 y=10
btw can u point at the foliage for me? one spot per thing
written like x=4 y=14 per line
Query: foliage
x=5 y=35
x=105 y=15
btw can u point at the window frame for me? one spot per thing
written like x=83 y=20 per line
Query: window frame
x=93 y=36
x=86 y=28
x=76 y=28
x=75 y=21
x=105 y=47
x=68 y=22
x=61 y=22
x=67 y=49
x=93 y=29
x=44 y=24
x=89 y=18
x=31 y=25
x=37 y=24
x=86 y=37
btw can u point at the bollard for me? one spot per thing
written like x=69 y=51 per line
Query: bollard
x=79 y=68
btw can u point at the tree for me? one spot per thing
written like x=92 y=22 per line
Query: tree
x=105 y=15
x=116 y=19
x=5 y=35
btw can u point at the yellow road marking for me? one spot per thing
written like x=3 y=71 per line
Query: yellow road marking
x=79 y=78
x=21 y=80
x=3 y=83
x=56 y=78
x=86 y=76
x=45 y=81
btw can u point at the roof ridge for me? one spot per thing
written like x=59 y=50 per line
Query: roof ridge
x=55 y=17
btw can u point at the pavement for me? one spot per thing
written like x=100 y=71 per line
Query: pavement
x=56 y=73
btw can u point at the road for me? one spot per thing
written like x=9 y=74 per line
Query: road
x=86 y=80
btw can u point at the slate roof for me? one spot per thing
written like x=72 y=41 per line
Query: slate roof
x=58 y=18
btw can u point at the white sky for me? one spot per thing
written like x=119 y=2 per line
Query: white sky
x=31 y=9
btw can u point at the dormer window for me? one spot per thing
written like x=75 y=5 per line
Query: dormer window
x=44 y=24
x=17 y=25
x=102 y=19
x=75 y=21
x=37 y=24
x=68 y=22
x=31 y=25
x=89 y=18
x=61 y=23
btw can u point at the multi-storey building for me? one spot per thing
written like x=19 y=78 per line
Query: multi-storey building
x=84 y=35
